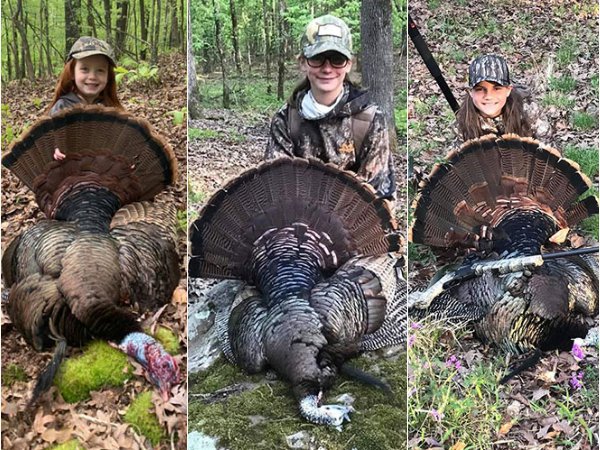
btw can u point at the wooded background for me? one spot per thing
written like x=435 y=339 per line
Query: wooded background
x=239 y=37
x=37 y=34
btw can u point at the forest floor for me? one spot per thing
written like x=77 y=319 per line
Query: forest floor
x=455 y=400
x=97 y=422
x=244 y=411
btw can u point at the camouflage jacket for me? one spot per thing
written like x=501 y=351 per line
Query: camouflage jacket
x=66 y=101
x=330 y=139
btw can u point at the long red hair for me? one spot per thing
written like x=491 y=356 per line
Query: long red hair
x=66 y=84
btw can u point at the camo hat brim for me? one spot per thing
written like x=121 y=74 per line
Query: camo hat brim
x=89 y=46
x=491 y=68
x=326 y=34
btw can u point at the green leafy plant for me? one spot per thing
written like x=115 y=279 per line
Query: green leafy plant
x=179 y=116
x=584 y=121
x=182 y=221
x=558 y=99
x=143 y=73
x=564 y=84
x=73 y=444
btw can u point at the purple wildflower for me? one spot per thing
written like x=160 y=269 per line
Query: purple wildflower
x=453 y=361
x=416 y=325
x=577 y=352
x=411 y=339
x=576 y=380
x=437 y=416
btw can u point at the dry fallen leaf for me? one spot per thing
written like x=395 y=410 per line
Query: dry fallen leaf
x=458 y=446
x=180 y=295
x=505 y=428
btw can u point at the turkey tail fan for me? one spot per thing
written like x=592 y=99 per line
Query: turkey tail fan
x=307 y=195
x=99 y=143
x=465 y=198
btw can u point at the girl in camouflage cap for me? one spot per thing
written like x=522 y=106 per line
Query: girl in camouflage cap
x=492 y=105
x=87 y=77
x=328 y=117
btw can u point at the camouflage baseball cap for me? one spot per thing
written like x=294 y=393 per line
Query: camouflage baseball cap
x=327 y=33
x=87 y=46
x=489 y=68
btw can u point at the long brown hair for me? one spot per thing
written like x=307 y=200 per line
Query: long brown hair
x=514 y=118
x=66 y=84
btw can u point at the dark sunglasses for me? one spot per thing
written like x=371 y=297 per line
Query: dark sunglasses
x=336 y=60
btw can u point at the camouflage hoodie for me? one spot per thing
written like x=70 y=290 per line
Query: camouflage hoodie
x=330 y=139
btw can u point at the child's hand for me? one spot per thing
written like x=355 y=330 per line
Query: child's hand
x=58 y=155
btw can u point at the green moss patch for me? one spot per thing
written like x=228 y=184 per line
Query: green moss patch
x=11 y=374
x=262 y=416
x=69 y=445
x=100 y=365
x=168 y=339
x=141 y=417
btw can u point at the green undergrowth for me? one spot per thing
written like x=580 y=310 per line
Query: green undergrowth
x=451 y=401
x=73 y=444
x=11 y=374
x=141 y=417
x=584 y=121
x=100 y=365
x=262 y=417
x=250 y=92
x=587 y=158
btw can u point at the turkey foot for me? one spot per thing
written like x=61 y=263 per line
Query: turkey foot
x=333 y=415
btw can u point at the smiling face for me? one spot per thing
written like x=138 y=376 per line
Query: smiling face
x=326 y=81
x=91 y=75
x=490 y=98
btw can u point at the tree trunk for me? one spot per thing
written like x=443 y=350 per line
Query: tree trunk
x=108 y=20
x=14 y=45
x=377 y=55
x=47 y=34
x=237 y=55
x=174 y=32
x=267 y=36
x=91 y=23
x=9 y=65
x=222 y=58
x=192 y=87
x=155 y=40
x=281 y=50
x=143 y=29
x=121 y=31
x=25 y=52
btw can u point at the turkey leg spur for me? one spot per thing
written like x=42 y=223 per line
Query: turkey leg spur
x=104 y=252
x=316 y=247
x=521 y=193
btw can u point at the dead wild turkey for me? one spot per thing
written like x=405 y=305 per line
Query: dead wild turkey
x=103 y=247
x=317 y=247
x=507 y=197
